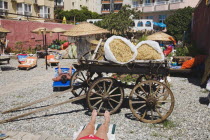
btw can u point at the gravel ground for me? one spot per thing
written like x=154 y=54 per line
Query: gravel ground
x=190 y=118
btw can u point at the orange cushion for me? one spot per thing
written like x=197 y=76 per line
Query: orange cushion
x=188 y=64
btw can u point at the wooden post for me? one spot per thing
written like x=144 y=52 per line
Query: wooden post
x=94 y=54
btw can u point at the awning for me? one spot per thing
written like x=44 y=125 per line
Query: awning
x=160 y=24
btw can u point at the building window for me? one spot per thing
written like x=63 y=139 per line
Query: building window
x=24 y=9
x=162 y=18
x=149 y=17
x=3 y=7
x=44 y=12
x=148 y=24
x=117 y=6
x=73 y=4
x=140 y=24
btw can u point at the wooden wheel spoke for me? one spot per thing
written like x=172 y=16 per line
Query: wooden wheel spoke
x=115 y=95
x=114 y=100
x=81 y=91
x=138 y=102
x=96 y=93
x=110 y=105
x=145 y=112
x=81 y=79
x=152 y=115
x=164 y=101
x=113 y=90
x=141 y=107
x=162 y=107
x=104 y=84
x=110 y=86
x=95 y=98
x=143 y=89
x=100 y=106
x=158 y=112
x=150 y=87
x=157 y=89
x=139 y=96
x=99 y=88
x=162 y=94
x=83 y=76
x=97 y=103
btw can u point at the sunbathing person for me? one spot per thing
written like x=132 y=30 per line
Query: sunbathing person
x=102 y=131
x=63 y=77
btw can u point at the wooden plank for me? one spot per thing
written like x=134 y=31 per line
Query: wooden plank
x=42 y=109
x=96 y=50
x=37 y=101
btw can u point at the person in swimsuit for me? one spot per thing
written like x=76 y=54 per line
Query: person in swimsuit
x=102 y=131
x=63 y=77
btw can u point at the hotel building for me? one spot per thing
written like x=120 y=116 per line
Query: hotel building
x=38 y=8
x=159 y=10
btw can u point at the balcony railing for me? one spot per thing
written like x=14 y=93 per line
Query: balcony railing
x=3 y=12
x=156 y=3
x=44 y=15
x=25 y=13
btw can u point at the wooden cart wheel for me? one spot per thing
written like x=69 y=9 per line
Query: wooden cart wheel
x=105 y=94
x=151 y=101
x=79 y=83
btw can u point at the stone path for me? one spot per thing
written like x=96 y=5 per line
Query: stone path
x=14 y=135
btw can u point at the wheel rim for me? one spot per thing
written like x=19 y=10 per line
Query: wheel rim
x=151 y=101
x=79 y=83
x=105 y=94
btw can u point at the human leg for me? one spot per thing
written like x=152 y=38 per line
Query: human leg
x=59 y=70
x=89 y=129
x=103 y=129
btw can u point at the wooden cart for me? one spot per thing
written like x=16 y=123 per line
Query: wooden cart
x=150 y=100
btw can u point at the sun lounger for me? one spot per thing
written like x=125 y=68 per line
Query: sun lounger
x=58 y=84
x=29 y=63
x=111 y=132
x=51 y=60
x=21 y=58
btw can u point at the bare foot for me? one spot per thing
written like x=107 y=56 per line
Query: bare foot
x=107 y=116
x=93 y=116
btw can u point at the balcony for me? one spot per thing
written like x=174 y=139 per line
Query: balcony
x=3 y=12
x=105 y=11
x=26 y=13
x=105 y=1
x=118 y=1
x=159 y=5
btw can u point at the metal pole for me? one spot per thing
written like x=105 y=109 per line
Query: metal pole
x=45 y=43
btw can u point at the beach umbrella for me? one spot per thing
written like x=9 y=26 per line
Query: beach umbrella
x=3 y=30
x=84 y=29
x=43 y=31
x=58 y=30
x=159 y=36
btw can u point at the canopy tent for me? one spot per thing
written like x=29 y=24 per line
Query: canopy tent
x=160 y=24
x=43 y=31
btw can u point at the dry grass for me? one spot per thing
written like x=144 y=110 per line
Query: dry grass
x=146 y=52
x=121 y=50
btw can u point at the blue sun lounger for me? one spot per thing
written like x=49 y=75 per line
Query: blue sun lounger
x=58 y=84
